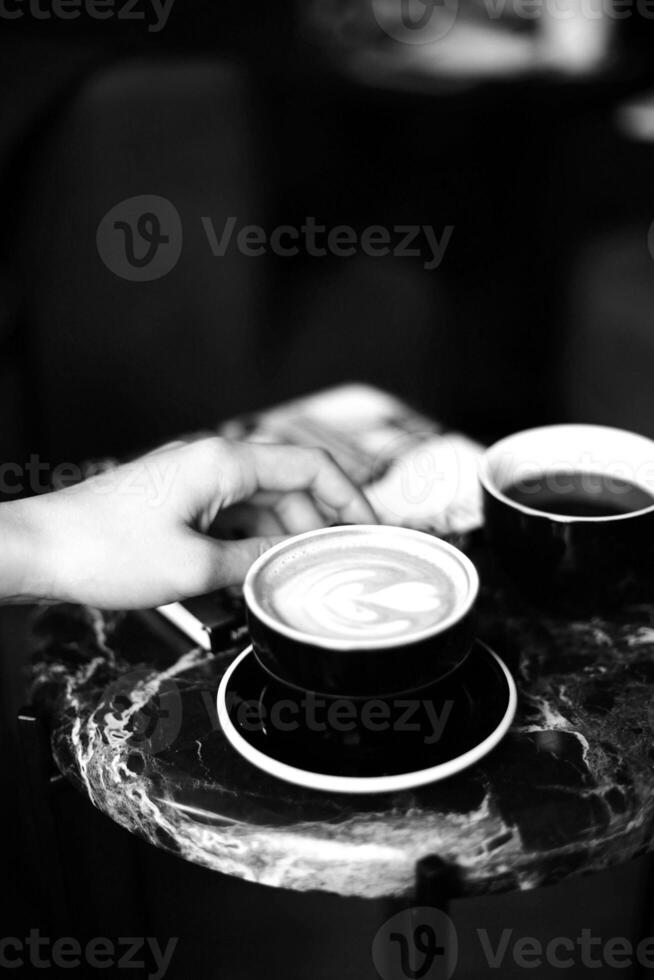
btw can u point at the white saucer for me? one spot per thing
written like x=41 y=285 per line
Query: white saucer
x=483 y=691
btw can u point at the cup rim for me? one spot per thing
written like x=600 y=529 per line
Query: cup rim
x=335 y=643
x=487 y=481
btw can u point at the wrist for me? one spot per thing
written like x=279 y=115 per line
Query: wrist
x=26 y=573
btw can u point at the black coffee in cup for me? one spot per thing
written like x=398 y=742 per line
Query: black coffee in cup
x=579 y=494
x=569 y=511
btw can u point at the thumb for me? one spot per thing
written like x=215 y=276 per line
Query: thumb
x=227 y=562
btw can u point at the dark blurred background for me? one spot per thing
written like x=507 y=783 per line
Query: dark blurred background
x=273 y=116
x=534 y=140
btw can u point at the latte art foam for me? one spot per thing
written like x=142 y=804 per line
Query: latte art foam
x=361 y=586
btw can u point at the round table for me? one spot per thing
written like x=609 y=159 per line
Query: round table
x=569 y=791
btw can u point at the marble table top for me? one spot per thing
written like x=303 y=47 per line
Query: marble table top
x=569 y=791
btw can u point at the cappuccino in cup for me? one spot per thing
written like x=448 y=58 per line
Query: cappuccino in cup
x=361 y=610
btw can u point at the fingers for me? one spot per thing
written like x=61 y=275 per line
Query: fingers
x=297 y=513
x=290 y=513
x=292 y=468
x=214 y=564
x=246 y=521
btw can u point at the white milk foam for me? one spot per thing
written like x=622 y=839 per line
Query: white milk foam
x=362 y=585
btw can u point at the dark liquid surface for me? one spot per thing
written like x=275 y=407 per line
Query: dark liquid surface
x=579 y=494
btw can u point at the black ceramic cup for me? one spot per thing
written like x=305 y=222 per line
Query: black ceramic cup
x=361 y=611
x=569 y=510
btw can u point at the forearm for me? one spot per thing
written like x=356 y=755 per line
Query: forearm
x=25 y=573
x=135 y=537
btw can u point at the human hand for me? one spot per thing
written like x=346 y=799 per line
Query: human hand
x=138 y=536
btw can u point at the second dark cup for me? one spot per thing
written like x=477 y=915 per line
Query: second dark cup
x=569 y=511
